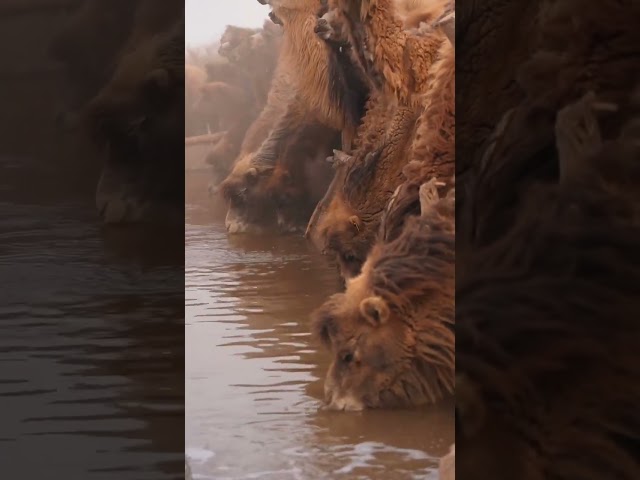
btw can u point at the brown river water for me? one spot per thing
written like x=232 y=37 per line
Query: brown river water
x=254 y=376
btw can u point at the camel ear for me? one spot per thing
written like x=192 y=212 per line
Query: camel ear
x=374 y=310
x=470 y=409
x=356 y=222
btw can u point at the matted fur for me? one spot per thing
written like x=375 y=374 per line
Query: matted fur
x=316 y=72
x=433 y=146
x=350 y=216
x=399 y=62
x=349 y=85
x=303 y=66
x=434 y=142
x=280 y=95
x=267 y=186
x=346 y=222
x=368 y=134
x=391 y=332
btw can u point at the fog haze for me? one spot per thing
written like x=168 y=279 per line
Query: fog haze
x=206 y=19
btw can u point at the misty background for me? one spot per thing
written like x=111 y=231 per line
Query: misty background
x=206 y=19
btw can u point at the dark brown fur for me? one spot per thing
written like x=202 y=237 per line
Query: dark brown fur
x=246 y=168
x=547 y=343
x=547 y=307
x=369 y=184
x=303 y=67
x=522 y=149
x=417 y=104
x=316 y=74
x=268 y=186
x=301 y=175
x=350 y=216
x=398 y=62
x=513 y=27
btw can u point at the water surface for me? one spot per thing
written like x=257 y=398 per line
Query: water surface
x=254 y=377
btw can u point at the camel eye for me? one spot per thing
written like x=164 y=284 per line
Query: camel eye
x=347 y=358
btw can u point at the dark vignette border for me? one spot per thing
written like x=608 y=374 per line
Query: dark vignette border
x=91 y=316
x=546 y=217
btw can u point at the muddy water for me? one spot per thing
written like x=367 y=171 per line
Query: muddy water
x=254 y=377
x=91 y=337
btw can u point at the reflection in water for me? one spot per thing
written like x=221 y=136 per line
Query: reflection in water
x=91 y=345
x=254 y=378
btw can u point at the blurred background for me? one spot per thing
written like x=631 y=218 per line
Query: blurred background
x=206 y=19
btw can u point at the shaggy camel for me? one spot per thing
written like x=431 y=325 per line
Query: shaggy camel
x=391 y=331
x=419 y=110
